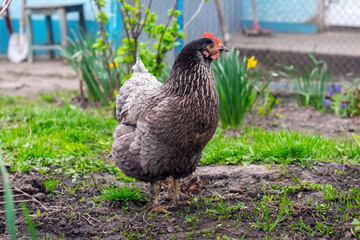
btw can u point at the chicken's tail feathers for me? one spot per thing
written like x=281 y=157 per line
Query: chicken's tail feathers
x=139 y=66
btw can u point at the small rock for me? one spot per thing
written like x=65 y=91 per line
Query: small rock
x=235 y=190
x=348 y=235
x=40 y=196
x=62 y=223
x=170 y=229
x=24 y=238
x=220 y=183
x=167 y=197
x=28 y=188
x=104 y=210
x=275 y=124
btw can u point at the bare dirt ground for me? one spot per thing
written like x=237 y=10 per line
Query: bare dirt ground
x=26 y=79
x=226 y=202
x=307 y=119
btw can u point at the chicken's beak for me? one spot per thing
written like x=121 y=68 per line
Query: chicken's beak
x=223 y=48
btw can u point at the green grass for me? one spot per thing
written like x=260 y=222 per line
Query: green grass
x=29 y=222
x=53 y=136
x=122 y=194
x=9 y=201
x=260 y=146
x=65 y=139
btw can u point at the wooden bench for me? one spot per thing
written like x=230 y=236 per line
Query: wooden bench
x=48 y=10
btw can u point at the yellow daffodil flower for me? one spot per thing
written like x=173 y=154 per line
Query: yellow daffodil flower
x=113 y=64
x=251 y=62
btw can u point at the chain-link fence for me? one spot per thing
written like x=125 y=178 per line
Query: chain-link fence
x=329 y=29
x=206 y=20
x=288 y=30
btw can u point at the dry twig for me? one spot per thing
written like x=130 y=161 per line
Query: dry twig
x=5 y=6
x=194 y=16
x=92 y=218
x=87 y=220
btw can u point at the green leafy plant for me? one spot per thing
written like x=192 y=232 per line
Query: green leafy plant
x=238 y=87
x=104 y=46
x=9 y=202
x=92 y=68
x=269 y=227
x=357 y=138
x=353 y=101
x=123 y=194
x=105 y=77
x=356 y=224
x=269 y=103
x=10 y=206
x=29 y=222
x=165 y=36
x=51 y=183
x=347 y=102
x=339 y=104
x=311 y=84
x=223 y=210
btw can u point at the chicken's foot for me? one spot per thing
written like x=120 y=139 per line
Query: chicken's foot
x=178 y=195
x=154 y=199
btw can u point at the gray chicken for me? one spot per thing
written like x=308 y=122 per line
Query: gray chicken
x=164 y=127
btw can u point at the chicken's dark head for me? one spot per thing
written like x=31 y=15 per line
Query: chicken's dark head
x=204 y=49
x=212 y=47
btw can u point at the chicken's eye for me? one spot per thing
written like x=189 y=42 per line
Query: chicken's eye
x=211 y=46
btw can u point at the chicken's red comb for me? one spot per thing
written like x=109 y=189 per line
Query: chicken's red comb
x=210 y=35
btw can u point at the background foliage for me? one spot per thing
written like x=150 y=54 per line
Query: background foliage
x=238 y=87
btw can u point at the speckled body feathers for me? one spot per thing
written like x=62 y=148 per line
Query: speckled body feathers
x=164 y=127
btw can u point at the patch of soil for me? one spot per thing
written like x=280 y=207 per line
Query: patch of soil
x=308 y=119
x=30 y=79
x=226 y=201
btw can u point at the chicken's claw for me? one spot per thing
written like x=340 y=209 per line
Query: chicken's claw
x=180 y=198
x=160 y=208
x=178 y=195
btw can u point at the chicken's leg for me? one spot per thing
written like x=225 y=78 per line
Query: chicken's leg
x=154 y=199
x=178 y=195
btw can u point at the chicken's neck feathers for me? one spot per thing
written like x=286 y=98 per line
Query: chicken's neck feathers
x=186 y=79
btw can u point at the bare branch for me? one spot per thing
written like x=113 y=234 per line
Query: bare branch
x=195 y=15
x=134 y=35
x=158 y=60
x=122 y=19
x=105 y=39
x=145 y=17
x=5 y=6
x=222 y=21
x=139 y=19
x=81 y=81
x=128 y=16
